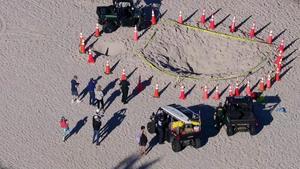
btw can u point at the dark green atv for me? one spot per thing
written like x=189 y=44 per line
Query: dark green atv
x=122 y=13
x=237 y=114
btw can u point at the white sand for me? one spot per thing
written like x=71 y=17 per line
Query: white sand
x=39 y=56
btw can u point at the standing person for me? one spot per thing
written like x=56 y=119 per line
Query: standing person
x=124 y=88
x=143 y=141
x=99 y=97
x=96 y=127
x=91 y=89
x=65 y=126
x=74 y=91
x=160 y=128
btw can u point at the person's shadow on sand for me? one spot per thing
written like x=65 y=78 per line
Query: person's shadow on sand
x=111 y=99
x=112 y=123
x=77 y=127
x=153 y=142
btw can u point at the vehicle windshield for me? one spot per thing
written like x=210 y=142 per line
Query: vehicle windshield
x=189 y=113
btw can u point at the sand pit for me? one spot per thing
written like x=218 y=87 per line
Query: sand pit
x=39 y=56
x=194 y=52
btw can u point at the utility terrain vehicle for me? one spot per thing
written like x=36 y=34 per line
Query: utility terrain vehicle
x=121 y=13
x=237 y=114
x=181 y=126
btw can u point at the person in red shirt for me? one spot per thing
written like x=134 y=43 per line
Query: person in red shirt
x=65 y=126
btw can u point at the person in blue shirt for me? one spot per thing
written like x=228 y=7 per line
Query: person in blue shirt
x=91 y=90
x=74 y=90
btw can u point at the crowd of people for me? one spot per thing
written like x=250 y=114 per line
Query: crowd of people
x=96 y=98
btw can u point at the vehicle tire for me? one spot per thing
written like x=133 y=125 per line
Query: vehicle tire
x=176 y=146
x=230 y=130
x=197 y=143
x=151 y=127
x=252 y=130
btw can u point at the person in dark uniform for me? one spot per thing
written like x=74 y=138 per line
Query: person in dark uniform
x=160 y=128
x=96 y=127
x=74 y=91
x=124 y=84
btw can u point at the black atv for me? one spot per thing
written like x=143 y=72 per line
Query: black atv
x=122 y=13
x=237 y=114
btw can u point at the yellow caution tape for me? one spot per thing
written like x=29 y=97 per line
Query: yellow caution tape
x=193 y=77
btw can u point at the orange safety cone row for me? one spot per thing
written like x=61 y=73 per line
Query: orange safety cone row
x=182 y=94
x=135 y=34
x=82 y=47
x=180 y=20
x=156 y=92
x=281 y=46
x=277 y=74
x=153 y=18
x=248 y=89
x=237 y=89
x=212 y=23
x=202 y=19
x=140 y=86
x=123 y=76
x=252 y=31
x=107 y=68
x=205 y=93
x=230 y=91
x=97 y=31
x=269 y=82
x=262 y=85
x=232 y=26
x=270 y=37
x=90 y=57
x=217 y=95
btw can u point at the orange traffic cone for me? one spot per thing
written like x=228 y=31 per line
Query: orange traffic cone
x=180 y=20
x=217 y=95
x=123 y=76
x=136 y=34
x=281 y=46
x=156 y=92
x=81 y=38
x=279 y=66
x=82 y=47
x=237 y=89
x=153 y=18
x=97 y=31
x=140 y=86
x=212 y=23
x=248 y=89
x=91 y=58
x=230 y=91
x=278 y=58
x=107 y=68
x=202 y=19
x=182 y=94
x=252 y=31
x=232 y=26
x=277 y=75
x=270 y=38
x=205 y=93
x=269 y=83
x=262 y=85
